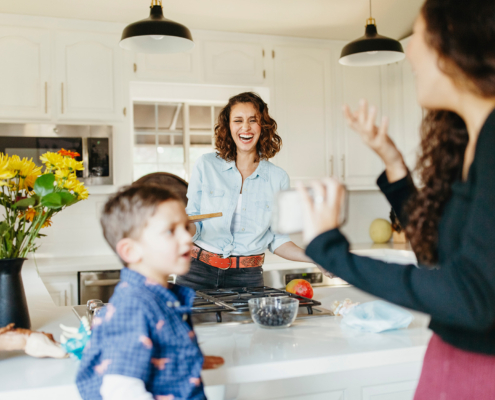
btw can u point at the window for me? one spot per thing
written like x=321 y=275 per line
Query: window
x=171 y=137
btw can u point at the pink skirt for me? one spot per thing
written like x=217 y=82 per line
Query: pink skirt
x=452 y=374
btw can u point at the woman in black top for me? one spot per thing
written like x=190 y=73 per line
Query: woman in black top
x=450 y=219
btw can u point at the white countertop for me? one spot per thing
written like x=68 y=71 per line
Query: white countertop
x=310 y=347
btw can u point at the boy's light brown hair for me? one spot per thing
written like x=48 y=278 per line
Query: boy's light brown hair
x=127 y=213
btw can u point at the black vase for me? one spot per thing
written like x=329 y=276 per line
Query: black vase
x=13 y=304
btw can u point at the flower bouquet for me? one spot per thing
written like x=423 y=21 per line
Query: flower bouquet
x=30 y=197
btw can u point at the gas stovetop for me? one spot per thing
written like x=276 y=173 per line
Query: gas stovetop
x=230 y=305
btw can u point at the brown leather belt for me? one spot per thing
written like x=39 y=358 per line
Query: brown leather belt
x=217 y=261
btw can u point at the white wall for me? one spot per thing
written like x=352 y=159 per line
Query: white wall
x=76 y=232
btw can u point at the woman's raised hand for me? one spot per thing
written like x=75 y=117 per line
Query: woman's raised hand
x=376 y=137
x=323 y=213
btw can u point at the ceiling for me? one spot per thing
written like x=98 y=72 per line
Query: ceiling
x=323 y=19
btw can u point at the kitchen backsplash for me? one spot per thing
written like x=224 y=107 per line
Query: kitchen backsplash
x=76 y=232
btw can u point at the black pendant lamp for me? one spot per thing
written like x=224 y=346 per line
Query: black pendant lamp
x=371 y=49
x=157 y=34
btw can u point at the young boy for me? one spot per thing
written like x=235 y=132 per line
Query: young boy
x=143 y=345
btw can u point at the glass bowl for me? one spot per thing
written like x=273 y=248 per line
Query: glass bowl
x=273 y=312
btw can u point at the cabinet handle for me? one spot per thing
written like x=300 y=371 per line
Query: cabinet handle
x=135 y=67
x=125 y=111
x=46 y=97
x=343 y=167
x=62 y=92
x=331 y=165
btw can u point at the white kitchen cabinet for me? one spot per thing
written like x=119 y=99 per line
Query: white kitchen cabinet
x=88 y=78
x=181 y=67
x=412 y=117
x=392 y=391
x=61 y=293
x=387 y=382
x=358 y=165
x=25 y=84
x=302 y=104
x=62 y=287
x=233 y=62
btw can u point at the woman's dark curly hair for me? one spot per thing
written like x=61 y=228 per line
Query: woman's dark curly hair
x=269 y=142
x=463 y=35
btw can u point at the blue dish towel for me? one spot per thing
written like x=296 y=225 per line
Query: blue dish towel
x=377 y=316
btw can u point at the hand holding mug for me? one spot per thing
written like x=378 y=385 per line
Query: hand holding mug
x=322 y=214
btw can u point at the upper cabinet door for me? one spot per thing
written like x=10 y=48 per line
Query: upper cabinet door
x=183 y=67
x=359 y=166
x=233 y=63
x=413 y=116
x=302 y=104
x=88 y=76
x=24 y=73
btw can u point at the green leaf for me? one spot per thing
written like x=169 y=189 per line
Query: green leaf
x=67 y=198
x=52 y=200
x=25 y=203
x=4 y=227
x=44 y=185
x=19 y=238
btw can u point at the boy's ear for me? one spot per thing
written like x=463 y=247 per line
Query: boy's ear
x=128 y=250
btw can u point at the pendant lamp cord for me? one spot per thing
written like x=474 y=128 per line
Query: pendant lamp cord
x=370 y=10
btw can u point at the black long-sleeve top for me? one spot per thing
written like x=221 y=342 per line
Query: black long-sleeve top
x=460 y=294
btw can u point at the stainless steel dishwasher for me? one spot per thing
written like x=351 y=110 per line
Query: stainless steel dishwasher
x=97 y=285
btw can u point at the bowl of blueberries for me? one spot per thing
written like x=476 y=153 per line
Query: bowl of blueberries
x=273 y=312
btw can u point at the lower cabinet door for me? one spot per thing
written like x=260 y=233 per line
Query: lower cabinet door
x=391 y=391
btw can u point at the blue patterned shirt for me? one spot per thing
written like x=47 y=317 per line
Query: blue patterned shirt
x=146 y=333
x=215 y=186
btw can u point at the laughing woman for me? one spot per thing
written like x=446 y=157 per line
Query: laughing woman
x=239 y=181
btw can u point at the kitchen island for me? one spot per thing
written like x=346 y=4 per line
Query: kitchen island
x=314 y=359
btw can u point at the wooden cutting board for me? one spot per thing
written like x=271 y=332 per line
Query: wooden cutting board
x=202 y=217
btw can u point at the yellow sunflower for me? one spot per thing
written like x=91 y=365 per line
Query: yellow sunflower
x=76 y=187
x=52 y=160
x=72 y=164
x=5 y=171
x=28 y=182
x=23 y=167
x=62 y=174
x=81 y=192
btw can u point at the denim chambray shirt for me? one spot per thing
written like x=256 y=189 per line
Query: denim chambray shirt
x=146 y=333
x=215 y=186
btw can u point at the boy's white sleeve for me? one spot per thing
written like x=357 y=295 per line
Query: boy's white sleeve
x=120 y=387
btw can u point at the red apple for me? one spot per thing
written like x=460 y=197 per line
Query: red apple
x=300 y=287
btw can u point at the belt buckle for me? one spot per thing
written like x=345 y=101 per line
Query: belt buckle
x=230 y=264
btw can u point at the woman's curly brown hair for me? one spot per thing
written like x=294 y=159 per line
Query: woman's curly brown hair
x=462 y=33
x=269 y=142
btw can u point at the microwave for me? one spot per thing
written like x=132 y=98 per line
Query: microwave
x=92 y=142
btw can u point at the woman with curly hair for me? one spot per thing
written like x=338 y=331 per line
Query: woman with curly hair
x=450 y=218
x=239 y=181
